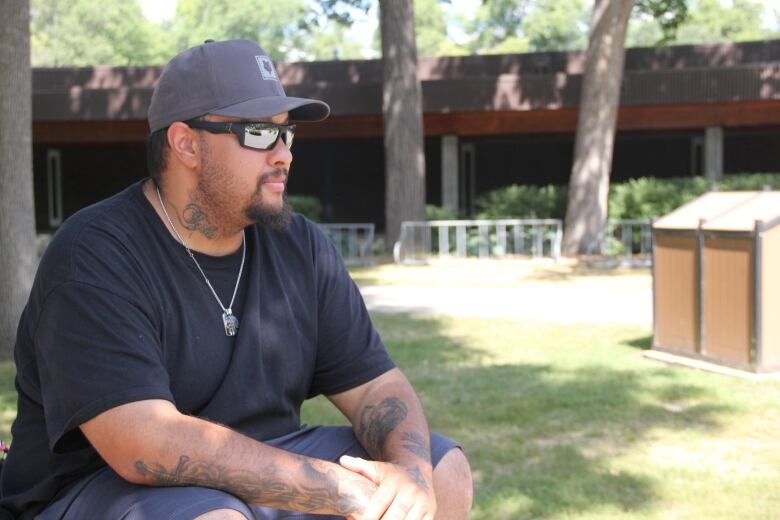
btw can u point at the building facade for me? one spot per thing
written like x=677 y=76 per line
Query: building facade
x=489 y=121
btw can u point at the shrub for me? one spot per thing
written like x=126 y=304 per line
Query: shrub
x=523 y=202
x=639 y=198
x=439 y=213
x=753 y=182
x=308 y=206
x=651 y=197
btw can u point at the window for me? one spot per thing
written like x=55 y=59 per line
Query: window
x=54 y=185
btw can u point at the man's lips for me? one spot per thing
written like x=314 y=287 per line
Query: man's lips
x=274 y=184
x=274 y=181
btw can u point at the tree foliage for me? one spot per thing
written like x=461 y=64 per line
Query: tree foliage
x=667 y=14
x=432 y=20
x=713 y=21
x=542 y=25
x=504 y=26
x=706 y=21
x=84 y=32
x=274 y=24
x=556 y=25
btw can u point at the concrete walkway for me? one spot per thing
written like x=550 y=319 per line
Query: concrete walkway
x=607 y=303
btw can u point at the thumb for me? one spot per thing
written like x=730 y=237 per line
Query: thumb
x=364 y=467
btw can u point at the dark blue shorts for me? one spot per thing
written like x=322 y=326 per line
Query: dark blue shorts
x=107 y=496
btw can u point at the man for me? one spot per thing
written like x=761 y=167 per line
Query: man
x=174 y=330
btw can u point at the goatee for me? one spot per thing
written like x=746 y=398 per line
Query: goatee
x=270 y=218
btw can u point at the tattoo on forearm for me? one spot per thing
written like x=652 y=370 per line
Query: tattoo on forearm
x=317 y=491
x=416 y=474
x=195 y=219
x=376 y=423
x=327 y=493
x=416 y=443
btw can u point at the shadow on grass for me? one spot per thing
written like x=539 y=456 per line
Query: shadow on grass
x=543 y=439
x=370 y=276
x=642 y=342
x=582 y=271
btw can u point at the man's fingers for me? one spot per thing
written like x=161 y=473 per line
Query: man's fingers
x=364 y=467
x=379 y=503
x=417 y=513
x=399 y=510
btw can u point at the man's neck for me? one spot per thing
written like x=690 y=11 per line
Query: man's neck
x=199 y=230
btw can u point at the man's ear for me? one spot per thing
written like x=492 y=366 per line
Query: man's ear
x=182 y=141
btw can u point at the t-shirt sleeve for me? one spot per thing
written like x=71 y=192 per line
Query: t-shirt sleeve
x=95 y=350
x=349 y=349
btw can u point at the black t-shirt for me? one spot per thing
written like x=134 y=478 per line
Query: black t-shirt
x=119 y=313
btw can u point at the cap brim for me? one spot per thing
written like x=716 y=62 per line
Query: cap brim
x=300 y=109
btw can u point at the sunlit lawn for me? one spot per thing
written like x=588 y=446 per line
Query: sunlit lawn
x=496 y=273
x=571 y=422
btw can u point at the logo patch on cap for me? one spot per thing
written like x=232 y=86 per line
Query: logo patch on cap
x=266 y=68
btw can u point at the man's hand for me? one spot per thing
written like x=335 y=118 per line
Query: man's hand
x=403 y=493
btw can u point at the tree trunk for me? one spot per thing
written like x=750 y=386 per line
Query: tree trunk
x=17 y=217
x=586 y=212
x=402 y=111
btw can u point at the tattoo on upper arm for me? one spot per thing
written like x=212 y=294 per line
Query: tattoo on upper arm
x=195 y=219
x=317 y=491
x=416 y=443
x=376 y=423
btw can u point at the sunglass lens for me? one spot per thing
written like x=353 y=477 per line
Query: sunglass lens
x=288 y=135
x=260 y=136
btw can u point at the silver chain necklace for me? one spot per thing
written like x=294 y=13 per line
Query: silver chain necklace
x=228 y=318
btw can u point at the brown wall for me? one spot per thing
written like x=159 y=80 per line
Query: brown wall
x=770 y=298
x=676 y=293
x=728 y=299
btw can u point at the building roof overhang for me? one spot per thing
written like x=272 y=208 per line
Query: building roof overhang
x=697 y=83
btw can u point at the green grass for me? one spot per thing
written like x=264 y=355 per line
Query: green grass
x=7 y=399
x=571 y=422
x=495 y=273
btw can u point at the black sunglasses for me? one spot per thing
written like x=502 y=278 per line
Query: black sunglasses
x=258 y=136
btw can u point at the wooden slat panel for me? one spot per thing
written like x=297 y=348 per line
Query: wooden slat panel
x=564 y=120
x=465 y=124
x=770 y=298
x=676 y=294
x=90 y=132
x=728 y=298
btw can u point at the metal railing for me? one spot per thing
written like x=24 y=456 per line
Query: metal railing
x=423 y=241
x=353 y=241
x=625 y=242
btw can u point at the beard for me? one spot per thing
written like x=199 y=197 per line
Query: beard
x=217 y=190
x=265 y=215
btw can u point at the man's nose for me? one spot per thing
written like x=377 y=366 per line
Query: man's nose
x=280 y=155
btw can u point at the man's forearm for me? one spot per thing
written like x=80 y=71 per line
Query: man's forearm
x=392 y=428
x=187 y=451
x=307 y=485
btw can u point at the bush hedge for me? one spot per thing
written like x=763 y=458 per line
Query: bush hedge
x=639 y=198
x=517 y=201
x=433 y=212
x=310 y=207
x=650 y=197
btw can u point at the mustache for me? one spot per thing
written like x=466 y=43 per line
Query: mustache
x=279 y=174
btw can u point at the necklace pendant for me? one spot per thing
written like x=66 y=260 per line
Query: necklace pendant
x=230 y=322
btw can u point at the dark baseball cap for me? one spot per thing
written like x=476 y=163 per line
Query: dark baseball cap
x=228 y=78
